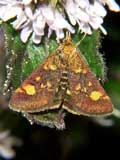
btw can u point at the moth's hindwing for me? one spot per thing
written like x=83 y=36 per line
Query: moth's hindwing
x=52 y=119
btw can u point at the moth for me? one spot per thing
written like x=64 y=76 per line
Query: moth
x=64 y=82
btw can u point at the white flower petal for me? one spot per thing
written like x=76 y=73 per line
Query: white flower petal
x=96 y=22
x=28 y=12
x=59 y=24
x=73 y=10
x=85 y=28
x=103 y=30
x=39 y=25
x=25 y=33
x=70 y=9
x=83 y=3
x=20 y=20
x=72 y=19
x=47 y=12
x=82 y=15
x=4 y=134
x=6 y=2
x=112 y=5
x=97 y=10
x=38 y=31
x=6 y=144
x=26 y=2
x=49 y=32
x=40 y=22
x=6 y=152
x=60 y=34
x=60 y=21
x=36 y=38
x=8 y=13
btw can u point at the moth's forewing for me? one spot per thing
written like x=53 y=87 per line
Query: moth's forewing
x=38 y=92
x=86 y=96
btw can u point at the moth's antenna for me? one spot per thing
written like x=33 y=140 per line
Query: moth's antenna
x=78 y=43
x=68 y=36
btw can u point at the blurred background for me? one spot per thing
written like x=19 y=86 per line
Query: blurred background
x=83 y=137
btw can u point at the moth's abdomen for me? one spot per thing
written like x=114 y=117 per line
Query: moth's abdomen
x=64 y=80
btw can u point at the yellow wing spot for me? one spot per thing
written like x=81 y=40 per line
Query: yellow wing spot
x=78 y=70
x=30 y=89
x=89 y=84
x=68 y=92
x=45 y=67
x=19 y=90
x=78 y=87
x=84 y=89
x=42 y=85
x=95 y=95
x=38 y=78
x=84 y=71
x=49 y=85
x=53 y=67
x=106 y=98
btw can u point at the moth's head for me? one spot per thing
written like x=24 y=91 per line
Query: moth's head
x=68 y=39
x=67 y=46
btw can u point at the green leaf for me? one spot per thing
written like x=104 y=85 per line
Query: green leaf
x=15 y=50
x=36 y=54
